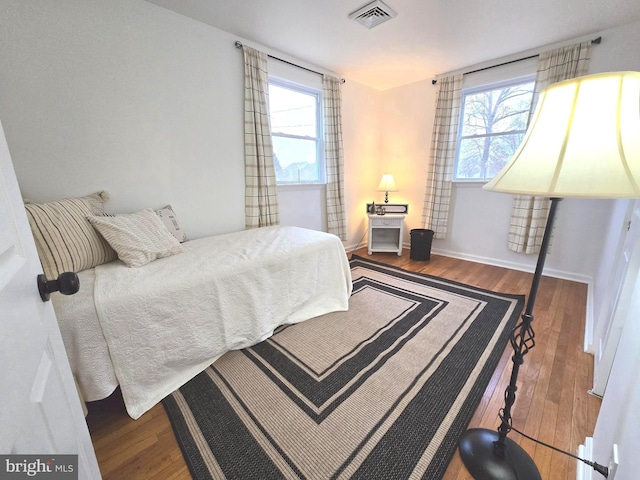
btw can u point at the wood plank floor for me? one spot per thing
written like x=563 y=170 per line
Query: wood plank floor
x=552 y=402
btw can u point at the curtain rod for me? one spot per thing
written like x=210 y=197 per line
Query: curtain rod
x=239 y=45
x=595 y=41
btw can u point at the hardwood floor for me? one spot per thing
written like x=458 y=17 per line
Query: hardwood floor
x=552 y=402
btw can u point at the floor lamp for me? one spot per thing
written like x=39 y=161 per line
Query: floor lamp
x=583 y=141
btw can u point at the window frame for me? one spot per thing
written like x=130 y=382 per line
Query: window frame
x=319 y=139
x=495 y=85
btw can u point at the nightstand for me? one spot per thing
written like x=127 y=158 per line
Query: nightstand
x=385 y=233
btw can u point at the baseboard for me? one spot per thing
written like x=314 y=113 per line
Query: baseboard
x=589 y=322
x=550 y=272
x=585 y=451
x=351 y=248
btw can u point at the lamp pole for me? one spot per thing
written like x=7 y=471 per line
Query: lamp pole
x=583 y=141
x=489 y=454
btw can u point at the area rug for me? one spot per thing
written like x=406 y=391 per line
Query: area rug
x=382 y=391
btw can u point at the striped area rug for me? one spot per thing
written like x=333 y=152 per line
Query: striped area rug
x=382 y=391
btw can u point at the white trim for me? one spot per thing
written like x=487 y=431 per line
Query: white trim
x=550 y=272
x=363 y=243
x=301 y=186
x=589 y=322
x=584 y=471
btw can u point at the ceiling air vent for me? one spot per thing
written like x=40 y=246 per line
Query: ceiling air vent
x=373 y=14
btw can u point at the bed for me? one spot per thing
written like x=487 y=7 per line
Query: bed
x=150 y=329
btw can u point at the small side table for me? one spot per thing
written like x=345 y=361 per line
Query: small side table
x=385 y=233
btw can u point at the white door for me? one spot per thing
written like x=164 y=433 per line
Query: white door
x=40 y=412
x=624 y=279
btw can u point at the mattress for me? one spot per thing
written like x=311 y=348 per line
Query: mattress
x=153 y=328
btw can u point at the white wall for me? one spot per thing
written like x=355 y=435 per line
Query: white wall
x=362 y=141
x=144 y=103
x=406 y=124
x=479 y=220
x=618 y=418
x=147 y=104
x=127 y=97
x=619 y=51
x=140 y=101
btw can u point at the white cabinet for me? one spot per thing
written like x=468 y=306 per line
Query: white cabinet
x=385 y=233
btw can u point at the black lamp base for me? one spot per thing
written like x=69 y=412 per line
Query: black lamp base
x=477 y=452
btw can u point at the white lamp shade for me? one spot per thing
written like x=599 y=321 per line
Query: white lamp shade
x=583 y=141
x=387 y=184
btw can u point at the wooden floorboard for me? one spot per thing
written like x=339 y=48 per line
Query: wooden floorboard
x=552 y=402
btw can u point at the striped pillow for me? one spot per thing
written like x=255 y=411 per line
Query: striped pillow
x=138 y=238
x=65 y=240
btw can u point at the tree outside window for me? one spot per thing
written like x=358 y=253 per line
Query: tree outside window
x=493 y=122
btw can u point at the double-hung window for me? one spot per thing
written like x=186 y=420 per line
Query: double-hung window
x=296 y=130
x=493 y=121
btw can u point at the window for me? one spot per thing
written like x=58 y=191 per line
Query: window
x=296 y=130
x=493 y=121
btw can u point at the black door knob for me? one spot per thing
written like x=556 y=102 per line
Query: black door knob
x=67 y=283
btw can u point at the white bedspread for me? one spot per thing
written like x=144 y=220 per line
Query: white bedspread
x=167 y=321
x=84 y=341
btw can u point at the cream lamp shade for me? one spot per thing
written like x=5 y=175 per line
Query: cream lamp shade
x=583 y=141
x=387 y=184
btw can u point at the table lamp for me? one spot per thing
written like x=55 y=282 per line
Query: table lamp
x=387 y=184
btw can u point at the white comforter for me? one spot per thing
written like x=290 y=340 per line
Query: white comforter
x=167 y=321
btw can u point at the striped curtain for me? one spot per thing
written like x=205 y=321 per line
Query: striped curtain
x=261 y=195
x=336 y=217
x=529 y=214
x=435 y=213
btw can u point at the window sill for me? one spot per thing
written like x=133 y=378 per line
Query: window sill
x=469 y=183
x=301 y=186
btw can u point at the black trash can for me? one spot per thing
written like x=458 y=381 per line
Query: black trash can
x=421 y=243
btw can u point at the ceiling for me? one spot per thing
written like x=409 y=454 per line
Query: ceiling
x=426 y=38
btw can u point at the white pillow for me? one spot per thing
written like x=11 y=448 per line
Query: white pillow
x=138 y=238
x=170 y=220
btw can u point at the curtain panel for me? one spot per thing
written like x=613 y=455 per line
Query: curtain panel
x=261 y=195
x=334 y=160
x=435 y=212
x=529 y=214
